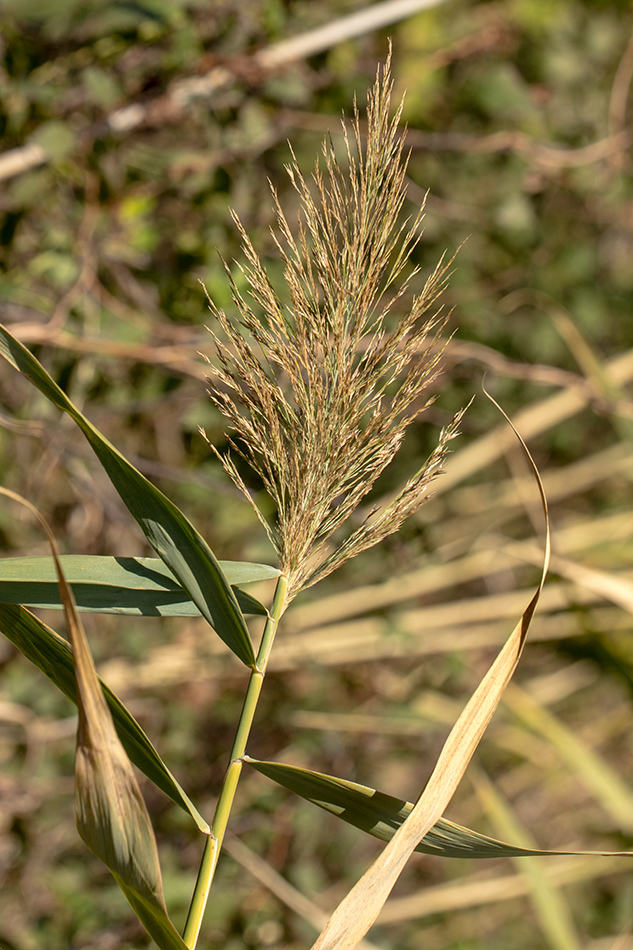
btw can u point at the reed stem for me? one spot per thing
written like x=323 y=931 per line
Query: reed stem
x=229 y=786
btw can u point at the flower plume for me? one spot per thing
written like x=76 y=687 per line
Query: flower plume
x=319 y=387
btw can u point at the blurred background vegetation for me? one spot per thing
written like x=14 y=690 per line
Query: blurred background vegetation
x=129 y=129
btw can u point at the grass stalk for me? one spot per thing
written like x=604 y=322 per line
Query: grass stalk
x=224 y=804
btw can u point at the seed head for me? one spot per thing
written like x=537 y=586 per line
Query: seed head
x=320 y=383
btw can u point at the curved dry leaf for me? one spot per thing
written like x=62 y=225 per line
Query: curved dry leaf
x=112 y=817
x=359 y=909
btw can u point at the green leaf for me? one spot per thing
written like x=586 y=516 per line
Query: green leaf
x=381 y=815
x=120 y=585
x=168 y=531
x=156 y=922
x=51 y=654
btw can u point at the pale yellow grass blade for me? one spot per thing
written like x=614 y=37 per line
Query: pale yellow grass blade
x=471 y=623
x=612 y=587
x=559 y=483
x=533 y=420
x=483 y=889
x=280 y=887
x=360 y=908
x=372 y=638
x=491 y=555
x=590 y=767
x=550 y=906
x=361 y=600
x=613 y=395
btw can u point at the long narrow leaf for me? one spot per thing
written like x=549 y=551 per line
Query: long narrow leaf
x=381 y=815
x=359 y=909
x=121 y=585
x=51 y=654
x=168 y=531
x=157 y=924
x=112 y=817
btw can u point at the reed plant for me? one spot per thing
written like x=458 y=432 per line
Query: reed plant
x=318 y=381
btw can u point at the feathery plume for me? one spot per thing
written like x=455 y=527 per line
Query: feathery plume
x=318 y=391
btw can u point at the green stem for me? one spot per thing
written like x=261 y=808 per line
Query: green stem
x=227 y=793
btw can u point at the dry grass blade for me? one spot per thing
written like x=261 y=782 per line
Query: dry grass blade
x=358 y=911
x=613 y=397
x=551 y=908
x=280 y=887
x=182 y=92
x=483 y=890
x=112 y=817
x=534 y=419
x=591 y=768
x=612 y=587
x=372 y=17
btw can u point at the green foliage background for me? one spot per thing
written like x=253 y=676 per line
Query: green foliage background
x=102 y=250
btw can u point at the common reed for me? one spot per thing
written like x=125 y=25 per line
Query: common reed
x=319 y=381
